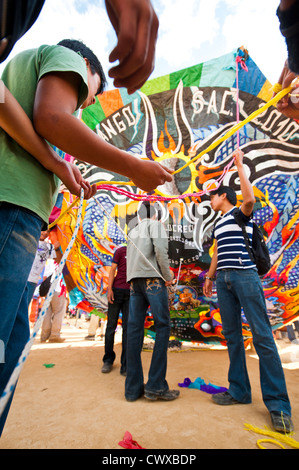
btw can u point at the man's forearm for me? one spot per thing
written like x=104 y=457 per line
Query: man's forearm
x=213 y=266
x=246 y=188
x=111 y=277
x=75 y=138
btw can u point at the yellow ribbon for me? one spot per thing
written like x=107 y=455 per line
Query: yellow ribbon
x=238 y=126
x=277 y=436
x=271 y=441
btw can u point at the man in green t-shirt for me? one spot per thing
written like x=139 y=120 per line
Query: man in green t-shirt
x=28 y=190
x=51 y=83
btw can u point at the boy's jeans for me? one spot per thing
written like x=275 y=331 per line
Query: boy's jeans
x=145 y=292
x=238 y=288
x=19 y=234
x=121 y=304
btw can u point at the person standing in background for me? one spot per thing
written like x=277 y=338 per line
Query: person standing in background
x=118 y=301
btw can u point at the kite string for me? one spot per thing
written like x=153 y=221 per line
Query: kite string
x=239 y=60
x=213 y=185
x=15 y=374
x=102 y=185
x=237 y=104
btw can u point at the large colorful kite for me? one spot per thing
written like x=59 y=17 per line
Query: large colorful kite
x=172 y=120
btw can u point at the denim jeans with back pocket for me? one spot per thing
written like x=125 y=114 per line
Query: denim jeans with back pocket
x=147 y=292
x=242 y=288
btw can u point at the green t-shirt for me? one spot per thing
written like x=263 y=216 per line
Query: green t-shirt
x=23 y=180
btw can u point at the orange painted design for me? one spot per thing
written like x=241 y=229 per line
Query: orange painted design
x=110 y=101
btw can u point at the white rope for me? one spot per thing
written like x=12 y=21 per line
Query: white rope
x=16 y=373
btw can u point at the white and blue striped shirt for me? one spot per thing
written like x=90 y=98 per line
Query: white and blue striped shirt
x=232 y=252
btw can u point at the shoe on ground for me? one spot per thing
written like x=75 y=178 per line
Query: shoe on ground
x=56 y=339
x=168 y=395
x=90 y=337
x=224 y=398
x=131 y=398
x=281 y=422
x=134 y=399
x=106 y=368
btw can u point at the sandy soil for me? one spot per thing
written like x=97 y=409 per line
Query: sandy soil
x=72 y=405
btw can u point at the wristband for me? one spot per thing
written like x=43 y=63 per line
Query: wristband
x=210 y=278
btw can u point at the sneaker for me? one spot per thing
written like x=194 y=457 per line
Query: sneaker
x=56 y=339
x=90 y=337
x=224 y=398
x=281 y=422
x=129 y=398
x=168 y=395
x=107 y=367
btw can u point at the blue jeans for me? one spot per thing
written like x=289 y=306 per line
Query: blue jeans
x=121 y=304
x=31 y=286
x=242 y=288
x=145 y=292
x=19 y=234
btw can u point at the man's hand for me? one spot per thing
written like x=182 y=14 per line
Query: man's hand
x=172 y=281
x=238 y=155
x=136 y=26
x=285 y=105
x=71 y=177
x=110 y=296
x=207 y=288
x=246 y=187
x=148 y=174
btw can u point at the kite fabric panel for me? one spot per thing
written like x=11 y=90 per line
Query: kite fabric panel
x=171 y=120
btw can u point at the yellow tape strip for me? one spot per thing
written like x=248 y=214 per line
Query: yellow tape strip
x=238 y=126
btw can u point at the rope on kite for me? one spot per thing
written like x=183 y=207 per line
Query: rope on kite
x=102 y=185
x=15 y=374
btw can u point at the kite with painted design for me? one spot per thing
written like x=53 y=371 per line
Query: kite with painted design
x=172 y=119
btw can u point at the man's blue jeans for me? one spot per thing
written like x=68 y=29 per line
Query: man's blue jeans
x=145 y=292
x=242 y=288
x=121 y=304
x=19 y=234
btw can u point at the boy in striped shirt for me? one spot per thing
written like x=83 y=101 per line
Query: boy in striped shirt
x=238 y=286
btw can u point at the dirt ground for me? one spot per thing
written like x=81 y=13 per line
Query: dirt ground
x=72 y=405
